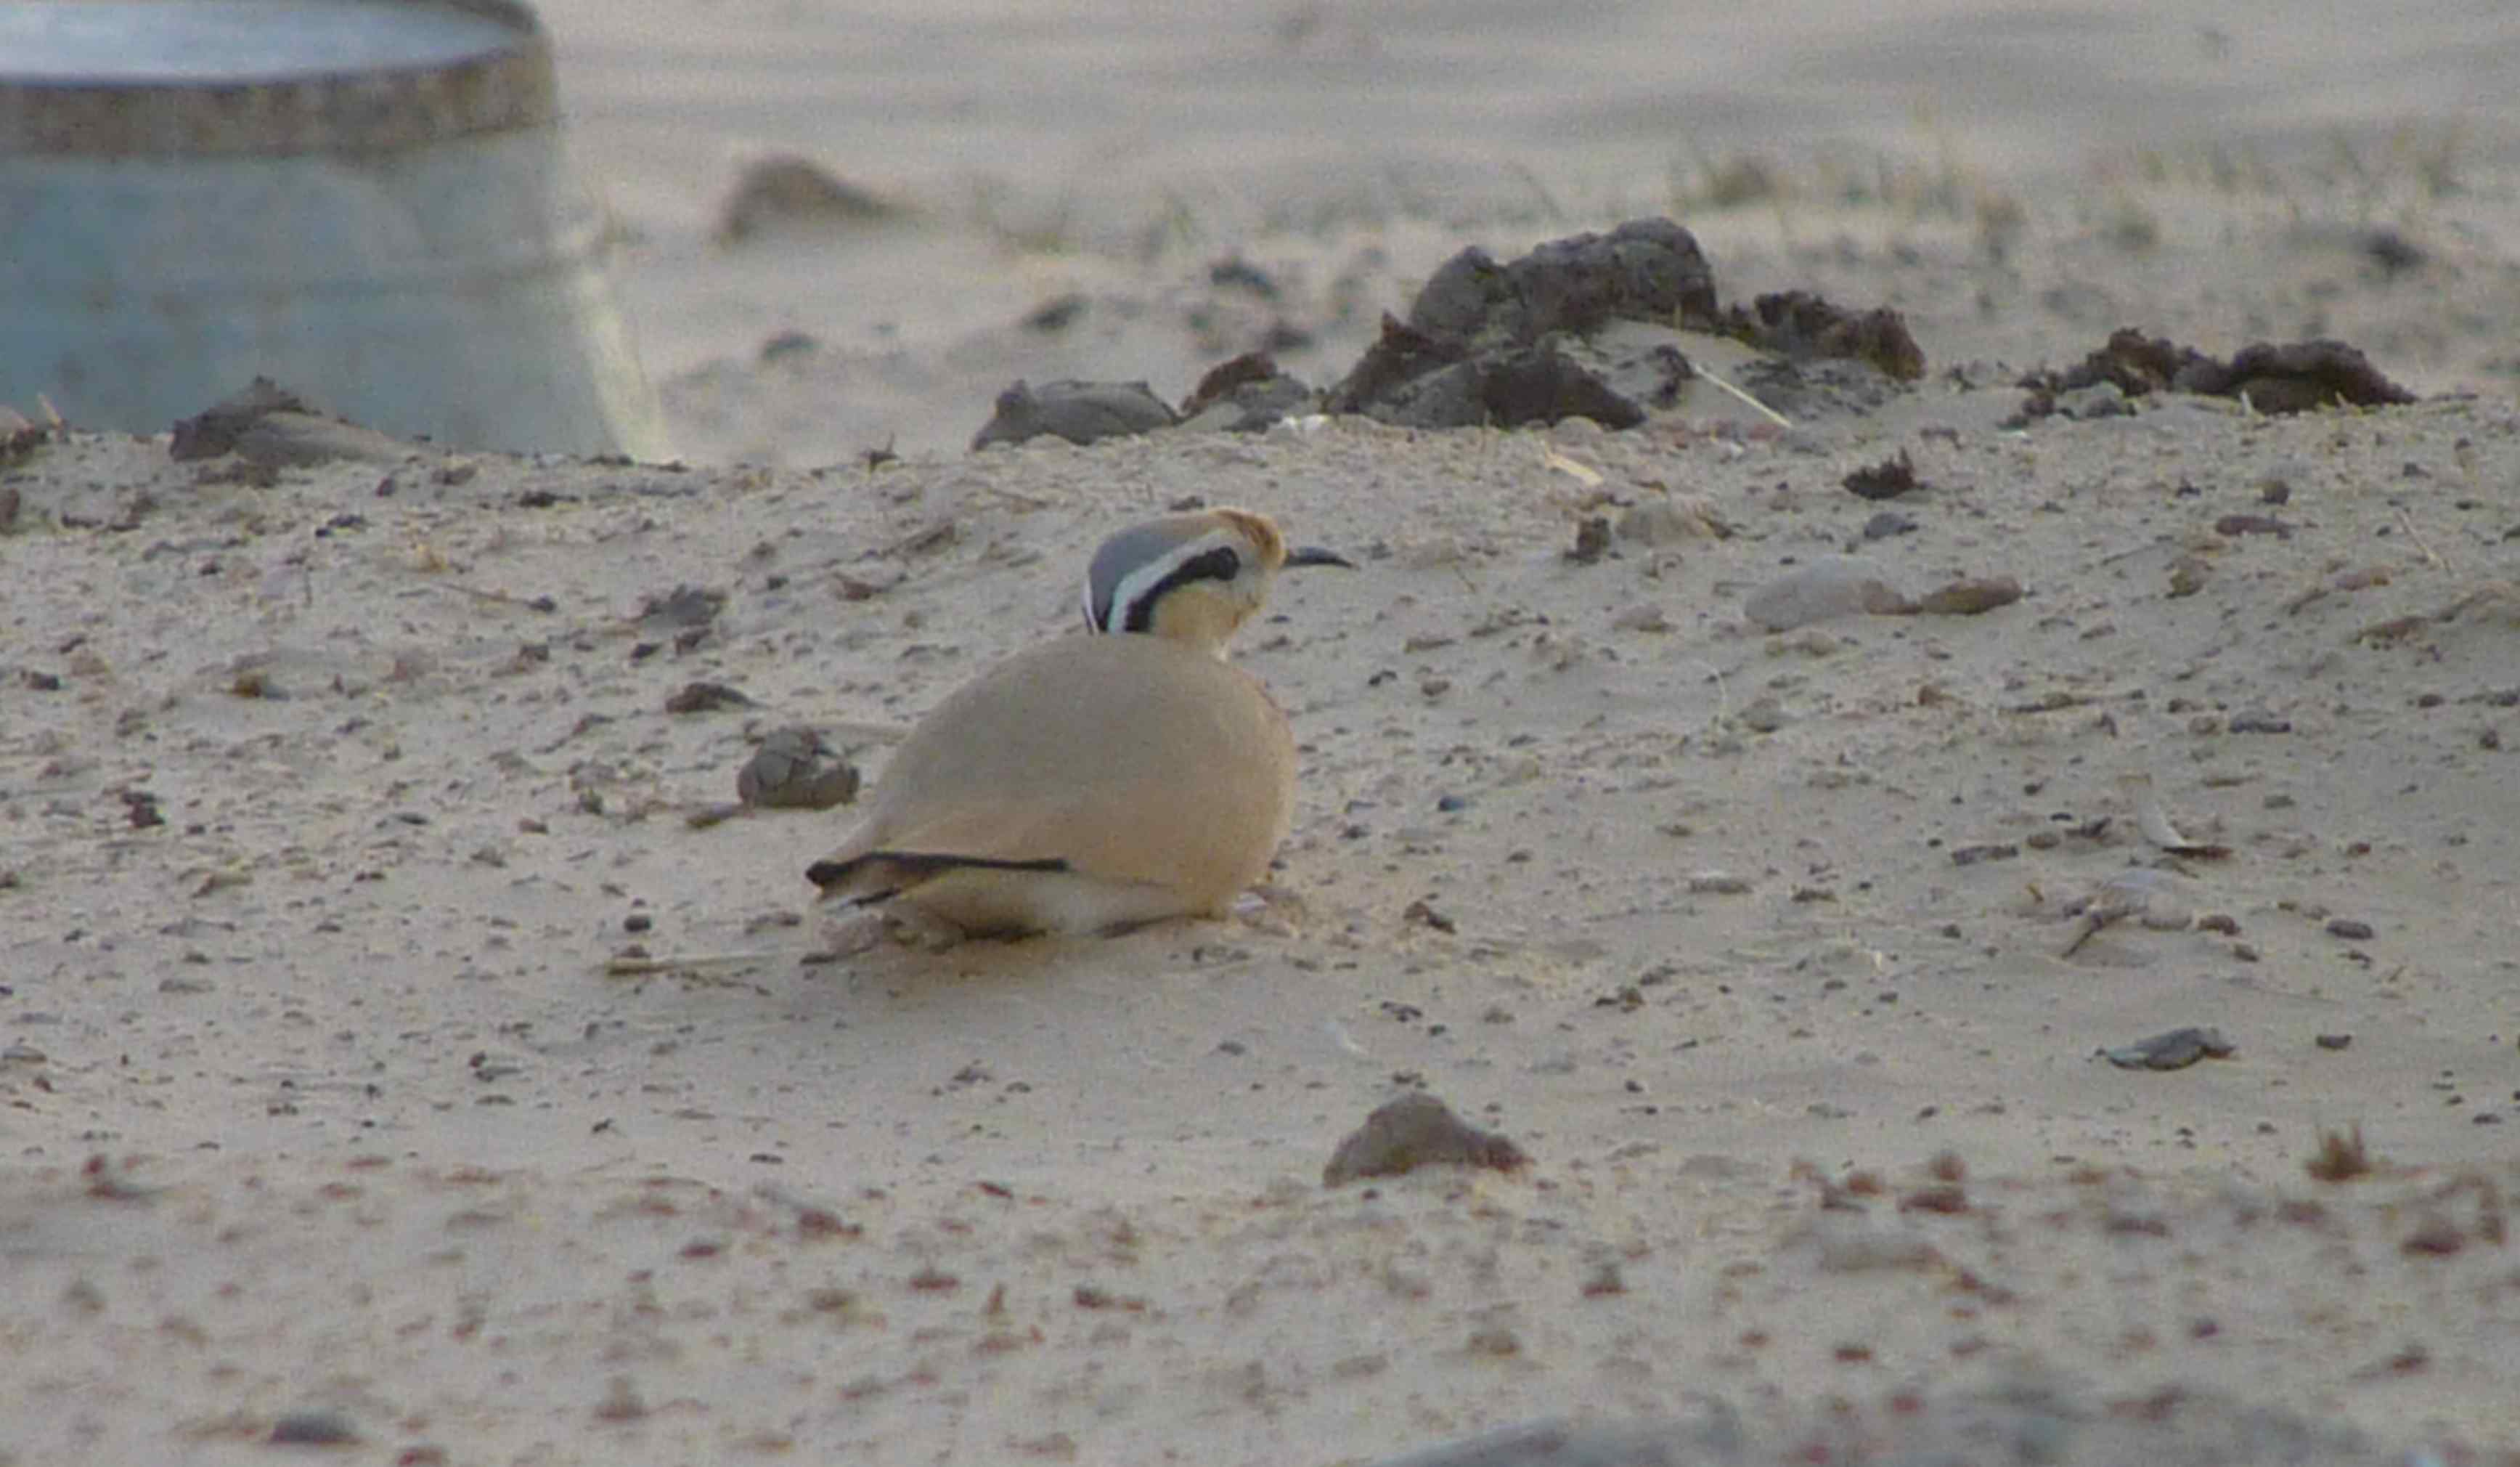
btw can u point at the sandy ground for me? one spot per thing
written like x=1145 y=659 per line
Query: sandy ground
x=320 y=1101
x=326 y=802
x=2019 y=178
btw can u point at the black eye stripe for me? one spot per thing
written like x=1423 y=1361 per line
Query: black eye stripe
x=1222 y=563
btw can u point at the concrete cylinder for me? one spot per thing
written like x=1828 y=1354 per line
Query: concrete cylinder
x=366 y=201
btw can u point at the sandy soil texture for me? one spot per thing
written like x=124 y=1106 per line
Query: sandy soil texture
x=391 y=1064
x=328 y=799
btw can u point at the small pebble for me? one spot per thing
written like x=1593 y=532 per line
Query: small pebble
x=2333 y=1041
x=1971 y=596
x=794 y=769
x=1591 y=541
x=313 y=1429
x=2175 y=1049
x=1886 y=480
x=2349 y=929
x=2259 y=722
x=705 y=698
x=1413 y=1131
x=1080 y=412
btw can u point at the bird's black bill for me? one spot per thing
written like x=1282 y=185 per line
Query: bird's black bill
x=1314 y=555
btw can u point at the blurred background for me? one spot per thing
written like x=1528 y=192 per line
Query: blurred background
x=847 y=224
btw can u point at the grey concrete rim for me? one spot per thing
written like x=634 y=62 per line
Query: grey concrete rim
x=506 y=87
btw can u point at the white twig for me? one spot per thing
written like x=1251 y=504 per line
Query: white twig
x=1761 y=408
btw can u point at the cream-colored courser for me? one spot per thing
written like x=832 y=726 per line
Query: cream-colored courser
x=1116 y=776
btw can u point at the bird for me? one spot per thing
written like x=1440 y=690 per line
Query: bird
x=1109 y=778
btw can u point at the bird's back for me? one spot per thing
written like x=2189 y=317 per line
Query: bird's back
x=1128 y=759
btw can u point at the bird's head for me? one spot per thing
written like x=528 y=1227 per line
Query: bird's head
x=1193 y=577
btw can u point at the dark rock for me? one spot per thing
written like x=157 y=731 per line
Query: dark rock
x=779 y=347
x=785 y=192
x=2393 y=251
x=300 y=440
x=1969 y=596
x=1886 y=480
x=1543 y=384
x=1501 y=345
x=684 y=606
x=1236 y=271
x=1802 y=326
x=1081 y=412
x=1507 y=389
x=1417 y=1130
x=1056 y=314
x=1591 y=541
x=705 y=698
x=1570 y=330
x=313 y=1429
x=19 y=440
x=1400 y=354
x=1811 y=388
x=794 y=769
x=1643 y=270
x=272 y=427
x=1246 y=395
x=214 y=429
x=2300 y=376
x=2131 y=362
x=2177 y=1049
x=2275 y=378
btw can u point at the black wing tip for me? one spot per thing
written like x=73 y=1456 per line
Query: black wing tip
x=830 y=874
x=908 y=867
